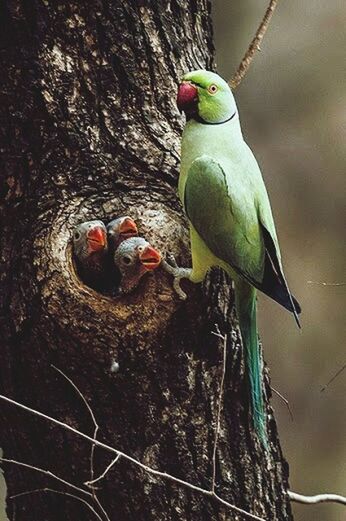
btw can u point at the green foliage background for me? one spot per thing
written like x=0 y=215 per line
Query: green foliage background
x=293 y=110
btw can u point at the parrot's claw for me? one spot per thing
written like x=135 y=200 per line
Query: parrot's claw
x=178 y=274
x=176 y=285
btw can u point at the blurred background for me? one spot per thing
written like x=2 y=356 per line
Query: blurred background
x=292 y=105
x=293 y=111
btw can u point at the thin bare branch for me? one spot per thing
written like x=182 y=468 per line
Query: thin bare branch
x=37 y=490
x=218 y=335
x=219 y=409
x=333 y=378
x=92 y=415
x=254 y=46
x=319 y=498
x=46 y=473
x=150 y=470
x=110 y=466
x=96 y=429
x=284 y=400
x=218 y=332
x=317 y=283
x=79 y=392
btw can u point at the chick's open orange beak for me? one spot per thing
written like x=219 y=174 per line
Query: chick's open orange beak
x=128 y=228
x=150 y=258
x=97 y=238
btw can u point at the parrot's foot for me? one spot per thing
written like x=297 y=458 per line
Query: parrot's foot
x=178 y=273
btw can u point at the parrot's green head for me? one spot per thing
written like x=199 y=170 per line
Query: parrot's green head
x=205 y=95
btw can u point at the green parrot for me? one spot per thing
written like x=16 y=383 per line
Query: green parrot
x=227 y=205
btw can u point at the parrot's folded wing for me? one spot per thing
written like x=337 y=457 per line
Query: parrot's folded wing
x=274 y=283
x=224 y=215
x=228 y=222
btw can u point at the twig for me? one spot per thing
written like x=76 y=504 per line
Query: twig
x=92 y=415
x=333 y=378
x=218 y=334
x=111 y=465
x=21 y=494
x=96 y=428
x=254 y=46
x=47 y=473
x=108 y=448
x=319 y=498
x=284 y=400
x=219 y=409
x=57 y=478
x=317 y=283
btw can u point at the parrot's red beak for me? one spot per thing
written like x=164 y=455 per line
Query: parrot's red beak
x=187 y=98
x=128 y=228
x=97 y=239
x=150 y=258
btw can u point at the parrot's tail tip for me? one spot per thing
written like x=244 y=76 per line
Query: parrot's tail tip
x=296 y=318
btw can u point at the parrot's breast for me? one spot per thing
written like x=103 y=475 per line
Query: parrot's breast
x=220 y=142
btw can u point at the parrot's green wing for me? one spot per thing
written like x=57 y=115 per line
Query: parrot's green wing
x=226 y=216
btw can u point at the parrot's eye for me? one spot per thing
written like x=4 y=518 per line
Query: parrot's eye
x=140 y=249
x=127 y=260
x=212 y=89
x=77 y=236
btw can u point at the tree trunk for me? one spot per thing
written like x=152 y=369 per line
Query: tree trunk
x=90 y=130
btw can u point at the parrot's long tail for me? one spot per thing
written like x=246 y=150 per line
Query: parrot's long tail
x=245 y=297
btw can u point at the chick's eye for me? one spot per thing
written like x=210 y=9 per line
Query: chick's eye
x=126 y=260
x=212 y=89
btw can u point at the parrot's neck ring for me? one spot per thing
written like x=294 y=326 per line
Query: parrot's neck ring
x=198 y=118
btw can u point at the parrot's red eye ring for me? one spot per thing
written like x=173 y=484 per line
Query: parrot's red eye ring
x=212 y=89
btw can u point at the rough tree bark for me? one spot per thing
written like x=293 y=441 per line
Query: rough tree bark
x=90 y=130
